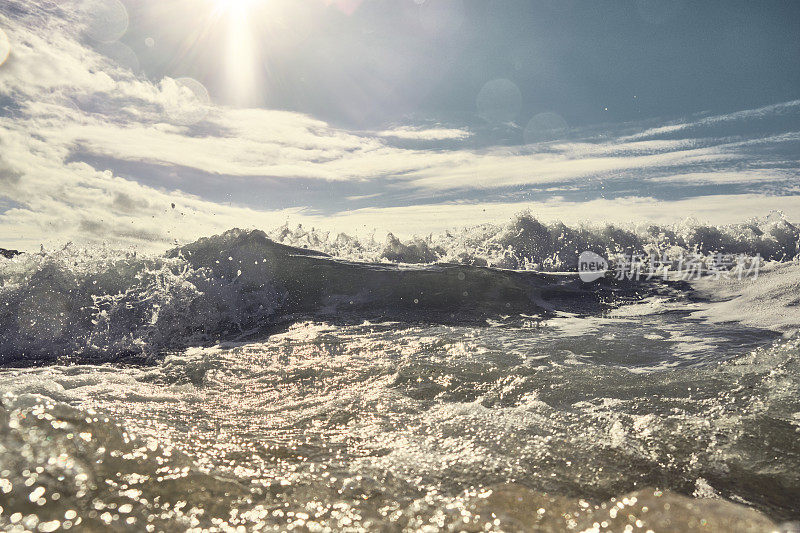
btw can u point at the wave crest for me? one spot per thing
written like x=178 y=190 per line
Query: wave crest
x=526 y=243
x=104 y=305
x=98 y=305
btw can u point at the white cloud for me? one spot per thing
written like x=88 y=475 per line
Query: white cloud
x=425 y=134
x=739 y=116
x=70 y=108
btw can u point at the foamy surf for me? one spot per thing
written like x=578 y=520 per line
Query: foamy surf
x=239 y=382
x=105 y=305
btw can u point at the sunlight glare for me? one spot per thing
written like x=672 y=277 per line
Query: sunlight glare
x=236 y=5
x=242 y=63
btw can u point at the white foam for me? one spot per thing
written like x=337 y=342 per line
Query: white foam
x=771 y=300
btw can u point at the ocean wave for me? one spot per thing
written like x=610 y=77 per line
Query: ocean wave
x=105 y=305
x=487 y=444
x=526 y=243
x=100 y=305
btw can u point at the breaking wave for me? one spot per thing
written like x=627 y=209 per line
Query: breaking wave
x=106 y=305
x=528 y=244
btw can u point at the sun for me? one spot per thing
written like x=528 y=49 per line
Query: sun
x=233 y=5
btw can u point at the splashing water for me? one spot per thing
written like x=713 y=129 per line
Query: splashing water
x=240 y=383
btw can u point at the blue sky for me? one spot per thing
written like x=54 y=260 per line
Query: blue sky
x=407 y=116
x=391 y=58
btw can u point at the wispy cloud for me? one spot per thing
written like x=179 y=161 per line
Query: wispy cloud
x=425 y=134
x=88 y=150
x=744 y=118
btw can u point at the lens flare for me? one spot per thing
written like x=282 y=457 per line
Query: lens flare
x=499 y=101
x=544 y=127
x=241 y=49
x=242 y=60
x=233 y=5
x=108 y=21
x=5 y=47
x=121 y=55
x=187 y=100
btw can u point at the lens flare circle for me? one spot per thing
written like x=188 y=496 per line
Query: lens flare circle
x=544 y=127
x=5 y=47
x=108 y=21
x=499 y=101
x=188 y=100
x=121 y=55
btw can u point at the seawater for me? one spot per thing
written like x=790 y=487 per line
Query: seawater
x=237 y=384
